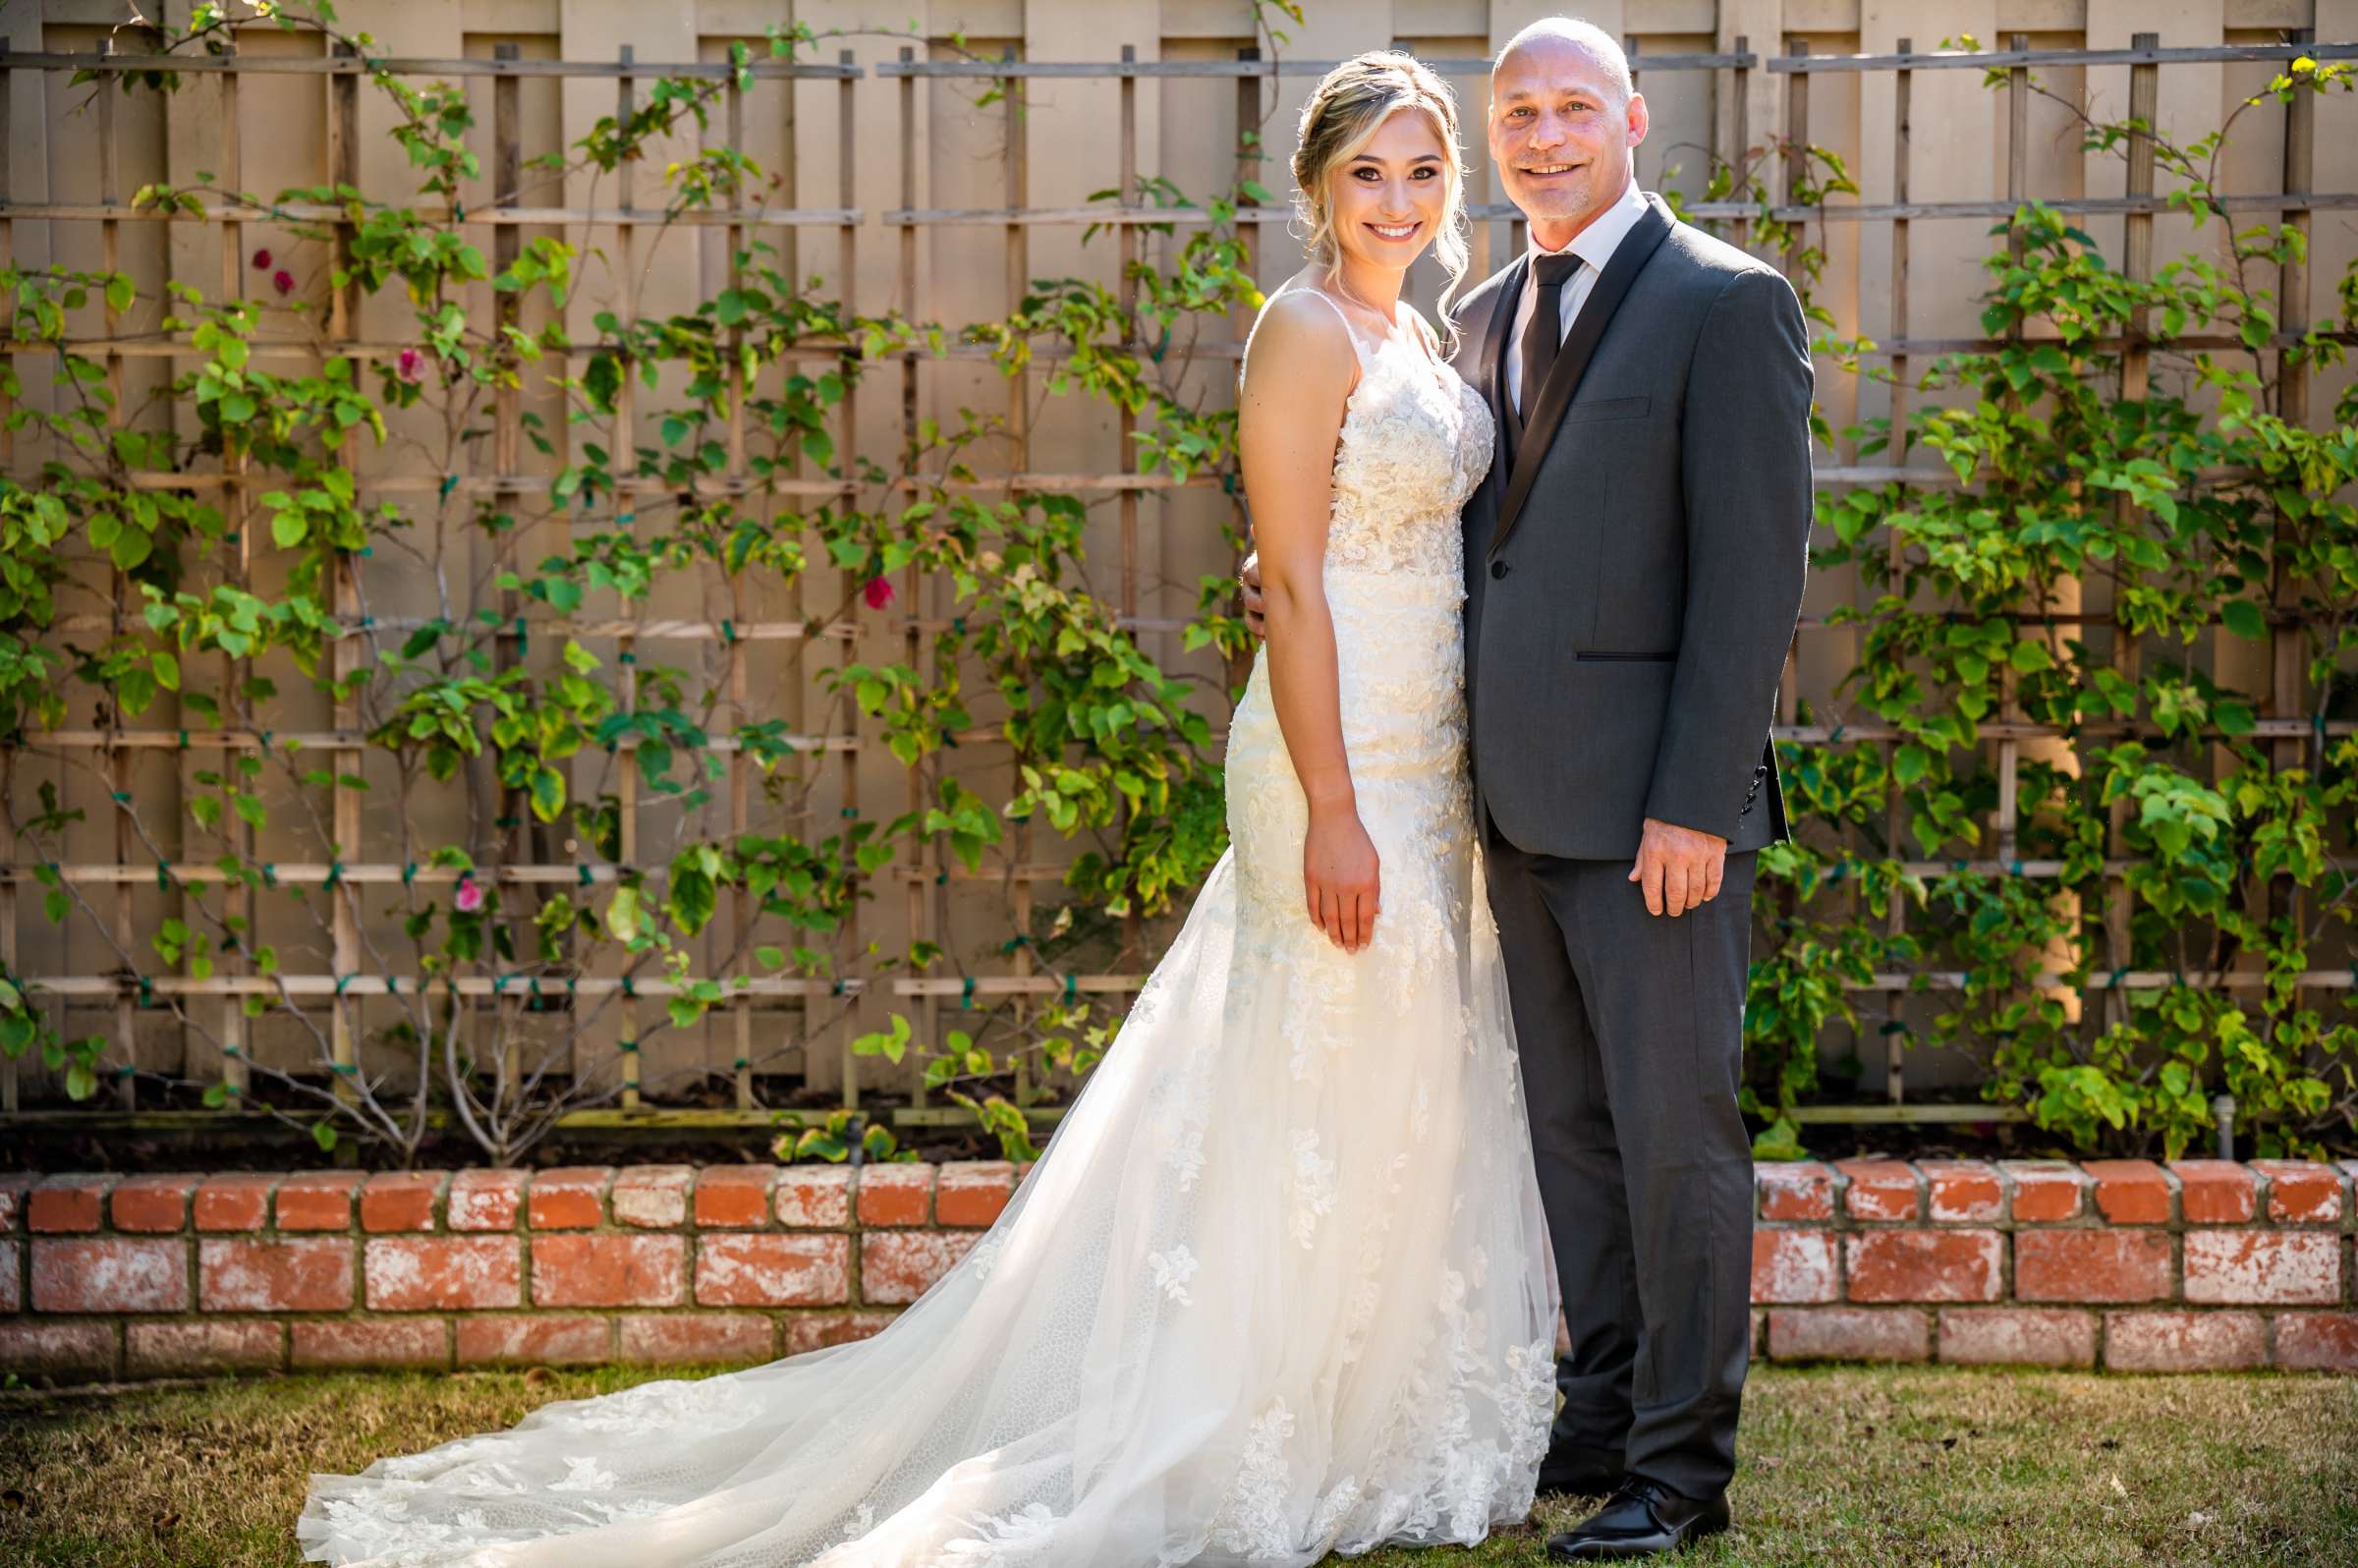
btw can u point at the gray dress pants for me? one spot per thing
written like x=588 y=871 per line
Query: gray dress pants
x=1630 y=1028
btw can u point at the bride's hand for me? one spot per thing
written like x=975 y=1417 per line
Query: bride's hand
x=1341 y=877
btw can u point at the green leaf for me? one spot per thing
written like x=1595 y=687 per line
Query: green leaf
x=134 y=690
x=2243 y=618
x=130 y=548
x=548 y=793
x=624 y=918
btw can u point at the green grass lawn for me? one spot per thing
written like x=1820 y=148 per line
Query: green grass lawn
x=1840 y=1466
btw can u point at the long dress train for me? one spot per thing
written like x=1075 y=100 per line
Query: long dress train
x=1279 y=1286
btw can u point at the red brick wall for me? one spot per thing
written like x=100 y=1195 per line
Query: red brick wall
x=2126 y=1265
x=2116 y=1264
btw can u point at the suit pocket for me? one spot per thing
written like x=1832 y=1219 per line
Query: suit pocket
x=1608 y=408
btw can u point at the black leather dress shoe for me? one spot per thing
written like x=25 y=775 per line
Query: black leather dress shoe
x=1580 y=1470
x=1642 y=1519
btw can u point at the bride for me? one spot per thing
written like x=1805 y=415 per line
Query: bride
x=1277 y=1286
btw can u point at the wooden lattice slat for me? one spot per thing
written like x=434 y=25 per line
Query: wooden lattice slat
x=847 y=259
x=238 y=906
x=1896 y=907
x=1019 y=442
x=624 y=442
x=2137 y=264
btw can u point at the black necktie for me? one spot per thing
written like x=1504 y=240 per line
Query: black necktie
x=1544 y=333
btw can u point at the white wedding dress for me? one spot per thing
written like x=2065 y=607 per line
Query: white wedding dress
x=1278 y=1285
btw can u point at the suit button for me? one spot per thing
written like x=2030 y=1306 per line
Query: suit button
x=1497 y=569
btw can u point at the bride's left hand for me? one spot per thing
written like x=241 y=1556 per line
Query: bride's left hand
x=1341 y=877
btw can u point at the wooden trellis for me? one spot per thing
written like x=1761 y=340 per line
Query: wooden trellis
x=346 y=986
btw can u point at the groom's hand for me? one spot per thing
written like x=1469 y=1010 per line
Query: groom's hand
x=1679 y=868
x=1250 y=578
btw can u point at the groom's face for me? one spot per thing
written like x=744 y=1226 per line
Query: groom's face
x=1561 y=133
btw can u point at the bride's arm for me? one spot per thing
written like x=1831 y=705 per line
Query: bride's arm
x=1298 y=374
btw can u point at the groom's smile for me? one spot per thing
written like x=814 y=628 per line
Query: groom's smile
x=1545 y=176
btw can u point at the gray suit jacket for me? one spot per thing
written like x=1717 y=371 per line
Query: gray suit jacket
x=1635 y=559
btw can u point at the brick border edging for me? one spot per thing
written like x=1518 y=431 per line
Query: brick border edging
x=2124 y=1264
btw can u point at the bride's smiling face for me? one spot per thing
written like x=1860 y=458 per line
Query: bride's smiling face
x=1388 y=199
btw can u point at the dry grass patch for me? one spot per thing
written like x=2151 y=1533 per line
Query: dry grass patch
x=1840 y=1466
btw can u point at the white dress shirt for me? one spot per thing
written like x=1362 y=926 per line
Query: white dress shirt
x=1595 y=246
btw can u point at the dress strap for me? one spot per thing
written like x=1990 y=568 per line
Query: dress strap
x=1359 y=349
x=1427 y=335
x=1357 y=346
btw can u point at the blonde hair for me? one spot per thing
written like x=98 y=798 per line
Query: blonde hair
x=1341 y=118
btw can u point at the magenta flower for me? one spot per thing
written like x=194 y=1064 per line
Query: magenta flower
x=469 y=896
x=411 y=367
x=283 y=281
x=261 y=260
x=879 y=593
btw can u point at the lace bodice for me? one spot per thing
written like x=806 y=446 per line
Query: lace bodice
x=1416 y=440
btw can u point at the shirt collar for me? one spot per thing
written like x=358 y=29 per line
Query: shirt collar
x=1596 y=244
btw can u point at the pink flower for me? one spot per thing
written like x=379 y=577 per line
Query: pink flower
x=879 y=593
x=283 y=281
x=412 y=366
x=469 y=896
x=261 y=260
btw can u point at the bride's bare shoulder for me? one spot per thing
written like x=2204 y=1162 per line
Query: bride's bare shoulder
x=1299 y=346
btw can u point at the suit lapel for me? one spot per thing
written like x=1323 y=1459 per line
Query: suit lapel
x=1629 y=259
x=1493 y=364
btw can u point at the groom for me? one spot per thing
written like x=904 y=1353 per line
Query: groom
x=1634 y=569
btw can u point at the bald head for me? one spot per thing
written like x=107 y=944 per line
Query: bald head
x=1564 y=123
x=1553 y=33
